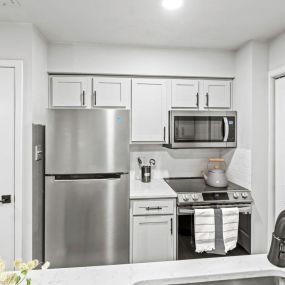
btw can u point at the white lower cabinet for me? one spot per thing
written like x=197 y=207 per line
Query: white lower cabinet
x=153 y=236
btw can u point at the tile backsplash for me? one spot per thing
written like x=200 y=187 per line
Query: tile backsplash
x=238 y=163
x=171 y=162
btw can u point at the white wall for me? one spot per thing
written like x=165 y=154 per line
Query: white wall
x=79 y=58
x=239 y=160
x=20 y=41
x=260 y=121
x=277 y=52
x=248 y=163
x=39 y=77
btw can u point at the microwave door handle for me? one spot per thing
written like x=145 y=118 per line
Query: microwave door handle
x=226 y=123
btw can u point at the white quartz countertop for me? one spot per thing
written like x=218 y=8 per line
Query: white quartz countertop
x=172 y=272
x=157 y=188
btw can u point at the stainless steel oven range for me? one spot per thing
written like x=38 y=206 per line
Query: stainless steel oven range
x=194 y=193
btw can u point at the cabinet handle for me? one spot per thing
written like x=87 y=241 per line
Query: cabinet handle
x=153 y=208
x=207 y=99
x=164 y=129
x=171 y=226
x=83 y=98
x=197 y=99
x=152 y=223
x=95 y=99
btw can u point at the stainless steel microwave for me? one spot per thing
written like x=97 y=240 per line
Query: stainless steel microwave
x=202 y=129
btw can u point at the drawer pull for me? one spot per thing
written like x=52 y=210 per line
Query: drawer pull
x=152 y=223
x=153 y=208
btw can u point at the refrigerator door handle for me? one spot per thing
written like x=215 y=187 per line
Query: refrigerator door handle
x=87 y=177
x=85 y=180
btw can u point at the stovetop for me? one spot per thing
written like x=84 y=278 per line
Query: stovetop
x=194 y=191
x=197 y=184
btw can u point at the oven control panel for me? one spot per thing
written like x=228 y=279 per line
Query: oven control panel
x=214 y=197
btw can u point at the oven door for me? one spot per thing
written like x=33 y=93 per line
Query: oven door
x=196 y=129
x=186 y=232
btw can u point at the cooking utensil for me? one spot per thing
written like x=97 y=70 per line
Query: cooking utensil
x=152 y=162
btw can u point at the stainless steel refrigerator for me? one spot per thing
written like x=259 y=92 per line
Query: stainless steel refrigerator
x=87 y=187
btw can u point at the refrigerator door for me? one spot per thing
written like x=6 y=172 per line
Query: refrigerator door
x=87 y=221
x=87 y=141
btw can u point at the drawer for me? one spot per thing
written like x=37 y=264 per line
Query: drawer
x=153 y=207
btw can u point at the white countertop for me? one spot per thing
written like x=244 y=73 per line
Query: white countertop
x=172 y=272
x=157 y=188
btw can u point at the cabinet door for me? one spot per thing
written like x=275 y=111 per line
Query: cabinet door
x=217 y=94
x=185 y=94
x=149 y=112
x=71 y=91
x=153 y=238
x=111 y=92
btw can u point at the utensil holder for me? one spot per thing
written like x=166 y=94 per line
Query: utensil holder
x=146 y=174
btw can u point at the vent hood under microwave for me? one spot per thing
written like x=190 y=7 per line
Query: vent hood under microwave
x=202 y=129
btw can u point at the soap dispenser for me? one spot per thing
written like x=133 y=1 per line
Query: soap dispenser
x=276 y=253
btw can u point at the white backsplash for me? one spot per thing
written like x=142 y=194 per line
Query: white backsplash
x=238 y=166
x=171 y=162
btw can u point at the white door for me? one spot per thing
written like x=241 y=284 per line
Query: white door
x=7 y=163
x=111 y=92
x=185 y=94
x=217 y=94
x=149 y=111
x=279 y=146
x=153 y=238
x=70 y=91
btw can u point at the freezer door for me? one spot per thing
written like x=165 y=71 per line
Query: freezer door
x=87 y=221
x=87 y=141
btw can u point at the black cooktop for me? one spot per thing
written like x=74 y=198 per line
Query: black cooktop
x=197 y=184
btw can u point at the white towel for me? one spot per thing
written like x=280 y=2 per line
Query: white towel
x=204 y=221
x=230 y=227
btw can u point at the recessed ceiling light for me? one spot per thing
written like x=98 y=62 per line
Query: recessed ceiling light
x=172 y=4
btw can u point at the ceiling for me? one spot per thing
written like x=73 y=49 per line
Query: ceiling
x=223 y=24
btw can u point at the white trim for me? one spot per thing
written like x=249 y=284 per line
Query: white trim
x=18 y=65
x=272 y=75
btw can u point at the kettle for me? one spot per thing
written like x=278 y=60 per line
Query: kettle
x=276 y=253
x=216 y=174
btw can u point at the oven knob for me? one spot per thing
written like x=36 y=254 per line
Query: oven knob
x=244 y=195
x=236 y=195
x=185 y=198
x=195 y=197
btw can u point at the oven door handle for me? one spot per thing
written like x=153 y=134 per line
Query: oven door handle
x=226 y=123
x=242 y=210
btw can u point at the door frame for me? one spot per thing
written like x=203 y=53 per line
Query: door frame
x=272 y=76
x=18 y=150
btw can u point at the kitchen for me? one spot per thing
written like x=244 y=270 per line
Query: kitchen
x=226 y=75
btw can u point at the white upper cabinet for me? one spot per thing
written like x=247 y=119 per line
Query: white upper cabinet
x=185 y=94
x=153 y=238
x=70 y=91
x=111 y=92
x=217 y=94
x=149 y=110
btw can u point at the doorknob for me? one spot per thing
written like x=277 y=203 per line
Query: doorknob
x=5 y=199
